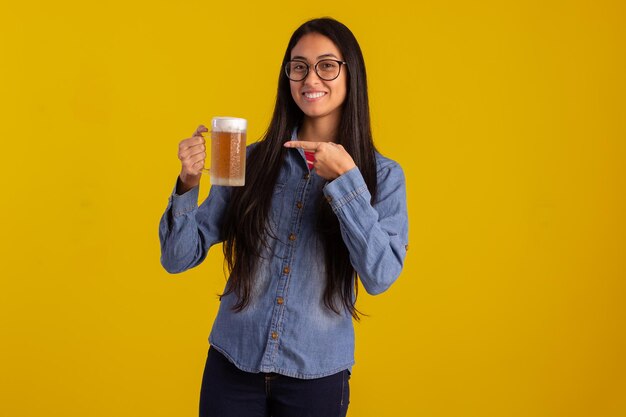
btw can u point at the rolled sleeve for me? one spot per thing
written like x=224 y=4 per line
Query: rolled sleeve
x=346 y=188
x=184 y=203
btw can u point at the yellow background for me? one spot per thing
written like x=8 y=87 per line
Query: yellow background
x=509 y=121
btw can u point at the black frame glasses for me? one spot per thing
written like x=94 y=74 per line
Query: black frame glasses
x=315 y=67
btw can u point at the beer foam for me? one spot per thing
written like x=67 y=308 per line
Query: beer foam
x=228 y=124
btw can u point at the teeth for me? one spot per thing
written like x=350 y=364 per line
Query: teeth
x=313 y=95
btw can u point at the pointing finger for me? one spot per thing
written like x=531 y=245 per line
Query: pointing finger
x=307 y=146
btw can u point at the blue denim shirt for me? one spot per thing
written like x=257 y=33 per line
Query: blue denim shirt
x=287 y=328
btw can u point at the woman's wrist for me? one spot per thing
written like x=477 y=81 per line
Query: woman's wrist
x=186 y=183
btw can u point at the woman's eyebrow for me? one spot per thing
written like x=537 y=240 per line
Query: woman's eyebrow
x=319 y=57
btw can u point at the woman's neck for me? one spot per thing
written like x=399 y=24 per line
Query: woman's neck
x=318 y=130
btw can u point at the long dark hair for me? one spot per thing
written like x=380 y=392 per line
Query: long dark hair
x=245 y=226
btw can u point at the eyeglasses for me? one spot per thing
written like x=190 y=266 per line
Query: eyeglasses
x=326 y=69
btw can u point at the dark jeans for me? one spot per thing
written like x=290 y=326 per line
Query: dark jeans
x=228 y=391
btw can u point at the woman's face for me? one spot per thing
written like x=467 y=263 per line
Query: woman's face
x=316 y=97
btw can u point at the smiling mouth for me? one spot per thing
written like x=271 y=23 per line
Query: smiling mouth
x=314 y=95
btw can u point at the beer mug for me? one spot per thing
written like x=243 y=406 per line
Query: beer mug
x=228 y=151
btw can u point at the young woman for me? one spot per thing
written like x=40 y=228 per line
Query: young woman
x=321 y=209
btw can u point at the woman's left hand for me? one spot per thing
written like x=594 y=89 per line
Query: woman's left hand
x=331 y=159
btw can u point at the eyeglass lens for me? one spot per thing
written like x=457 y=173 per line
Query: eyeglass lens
x=326 y=69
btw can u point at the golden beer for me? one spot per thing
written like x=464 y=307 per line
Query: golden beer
x=228 y=151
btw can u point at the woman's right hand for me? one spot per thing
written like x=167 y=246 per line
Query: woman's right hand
x=192 y=154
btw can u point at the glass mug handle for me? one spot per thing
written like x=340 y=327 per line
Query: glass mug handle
x=204 y=169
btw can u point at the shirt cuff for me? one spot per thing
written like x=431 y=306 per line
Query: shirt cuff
x=346 y=188
x=184 y=203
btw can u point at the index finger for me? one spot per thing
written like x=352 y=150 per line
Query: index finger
x=200 y=130
x=307 y=146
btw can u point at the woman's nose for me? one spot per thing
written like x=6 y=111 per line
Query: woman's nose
x=312 y=77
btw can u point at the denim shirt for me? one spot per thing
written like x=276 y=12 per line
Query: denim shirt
x=287 y=328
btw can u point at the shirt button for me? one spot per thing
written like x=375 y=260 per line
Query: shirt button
x=280 y=300
x=307 y=176
x=286 y=270
x=292 y=237
x=406 y=247
x=274 y=335
x=329 y=198
x=299 y=204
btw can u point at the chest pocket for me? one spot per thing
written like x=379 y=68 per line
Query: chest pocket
x=279 y=188
x=278 y=198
